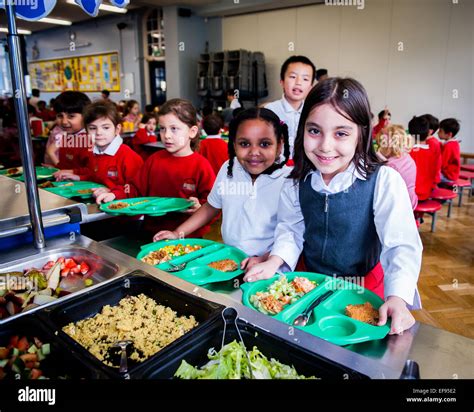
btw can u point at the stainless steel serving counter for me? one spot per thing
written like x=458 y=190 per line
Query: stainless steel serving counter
x=439 y=354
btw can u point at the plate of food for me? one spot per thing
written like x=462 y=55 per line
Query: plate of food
x=151 y=206
x=42 y=173
x=12 y=171
x=69 y=190
x=348 y=316
x=205 y=261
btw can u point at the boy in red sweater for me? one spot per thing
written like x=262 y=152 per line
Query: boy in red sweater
x=424 y=157
x=434 y=143
x=111 y=163
x=144 y=135
x=451 y=153
x=73 y=144
x=213 y=147
x=174 y=172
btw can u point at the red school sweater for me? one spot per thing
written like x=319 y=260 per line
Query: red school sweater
x=143 y=136
x=74 y=151
x=451 y=165
x=425 y=160
x=113 y=171
x=165 y=175
x=436 y=147
x=215 y=151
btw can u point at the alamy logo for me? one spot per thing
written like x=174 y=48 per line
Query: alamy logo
x=37 y=395
x=359 y=3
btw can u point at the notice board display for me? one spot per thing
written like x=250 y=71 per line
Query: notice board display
x=92 y=73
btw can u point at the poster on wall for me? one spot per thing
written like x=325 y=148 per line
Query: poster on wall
x=92 y=73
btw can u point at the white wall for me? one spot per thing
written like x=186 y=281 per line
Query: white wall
x=437 y=60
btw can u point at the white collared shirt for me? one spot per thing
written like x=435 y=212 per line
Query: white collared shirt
x=285 y=111
x=112 y=148
x=249 y=210
x=394 y=222
x=214 y=136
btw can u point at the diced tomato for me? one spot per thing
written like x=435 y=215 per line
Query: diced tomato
x=61 y=259
x=76 y=269
x=48 y=265
x=70 y=263
x=84 y=268
x=13 y=341
x=4 y=352
x=65 y=272
x=29 y=357
x=35 y=373
x=23 y=344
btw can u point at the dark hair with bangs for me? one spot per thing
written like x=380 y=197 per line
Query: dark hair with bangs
x=100 y=109
x=350 y=100
x=71 y=102
x=280 y=128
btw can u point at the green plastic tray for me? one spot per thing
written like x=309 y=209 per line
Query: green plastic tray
x=42 y=173
x=63 y=189
x=155 y=206
x=328 y=320
x=197 y=271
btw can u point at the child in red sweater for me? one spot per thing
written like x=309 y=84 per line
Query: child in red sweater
x=434 y=143
x=424 y=157
x=144 y=135
x=213 y=147
x=73 y=145
x=451 y=153
x=174 y=172
x=111 y=163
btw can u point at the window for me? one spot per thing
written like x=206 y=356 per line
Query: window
x=155 y=34
x=5 y=79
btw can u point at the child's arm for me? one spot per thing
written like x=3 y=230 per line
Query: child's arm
x=401 y=249
x=51 y=152
x=199 y=219
x=288 y=236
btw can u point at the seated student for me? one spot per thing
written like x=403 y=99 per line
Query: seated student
x=384 y=121
x=434 y=143
x=176 y=171
x=73 y=144
x=43 y=113
x=321 y=74
x=111 y=163
x=394 y=146
x=36 y=124
x=424 y=157
x=145 y=134
x=451 y=152
x=297 y=77
x=213 y=147
x=132 y=113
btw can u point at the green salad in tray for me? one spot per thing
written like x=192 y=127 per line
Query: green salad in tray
x=281 y=293
x=231 y=362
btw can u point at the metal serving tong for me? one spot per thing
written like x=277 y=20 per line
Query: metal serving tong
x=232 y=315
x=122 y=344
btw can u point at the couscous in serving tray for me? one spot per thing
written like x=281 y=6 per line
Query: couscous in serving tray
x=205 y=261
x=328 y=320
x=150 y=206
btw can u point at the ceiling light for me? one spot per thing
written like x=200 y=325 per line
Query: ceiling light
x=55 y=21
x=20 y=31
x=103 y=7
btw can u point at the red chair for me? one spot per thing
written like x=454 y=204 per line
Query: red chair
x=444 y=195
x=430 y=207
x=458 y=187
x=468 y=168
x=466 y=175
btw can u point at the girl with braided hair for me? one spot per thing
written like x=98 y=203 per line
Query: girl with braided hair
x=247 y=187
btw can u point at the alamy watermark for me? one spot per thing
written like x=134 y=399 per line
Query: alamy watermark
x=359 y=3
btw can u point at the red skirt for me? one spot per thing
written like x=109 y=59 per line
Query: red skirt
x=372 y=280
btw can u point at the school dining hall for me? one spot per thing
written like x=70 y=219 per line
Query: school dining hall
x=225 y=190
